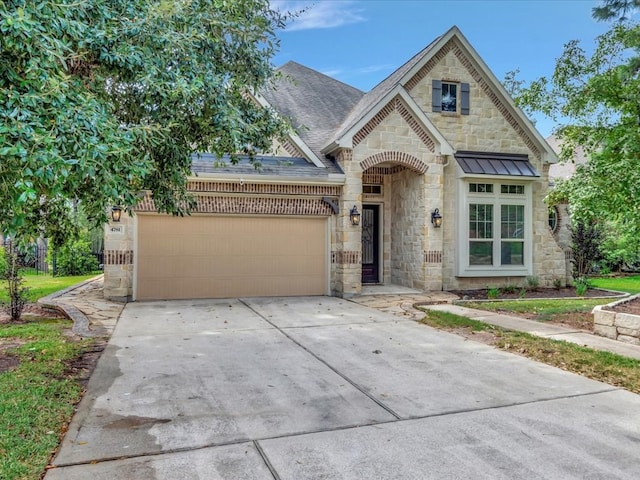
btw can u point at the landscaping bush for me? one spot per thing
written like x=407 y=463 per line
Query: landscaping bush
x=586 y=240
x=16 y=290
x=76 y=258
x=3 y=261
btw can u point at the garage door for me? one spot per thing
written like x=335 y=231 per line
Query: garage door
x=219 y=257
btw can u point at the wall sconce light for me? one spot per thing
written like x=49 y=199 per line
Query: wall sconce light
x=115 y=213
x=354 y=215
x=436 y=218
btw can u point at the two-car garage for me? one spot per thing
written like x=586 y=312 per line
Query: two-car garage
x=218 y=256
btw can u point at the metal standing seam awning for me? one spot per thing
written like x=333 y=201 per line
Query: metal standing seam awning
x=486 y=163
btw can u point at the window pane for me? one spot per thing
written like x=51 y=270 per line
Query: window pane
x=481 y=187
x=480 y=253
x=513 y=189
x=480 y=221
x=449 y=96
x=512 y=221
x=553 y=219
x=512 y=253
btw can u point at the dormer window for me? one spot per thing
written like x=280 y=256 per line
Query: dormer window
x=450 y=97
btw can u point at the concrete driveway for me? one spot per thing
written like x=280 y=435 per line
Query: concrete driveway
x=322 y=388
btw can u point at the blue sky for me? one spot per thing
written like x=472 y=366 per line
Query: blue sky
x=361 y=42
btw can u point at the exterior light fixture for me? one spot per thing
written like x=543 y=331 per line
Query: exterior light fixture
x=115 y=213
x=354 y=215
x=436 y=218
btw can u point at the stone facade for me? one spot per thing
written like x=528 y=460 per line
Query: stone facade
x=119 y=259
x=404 y=147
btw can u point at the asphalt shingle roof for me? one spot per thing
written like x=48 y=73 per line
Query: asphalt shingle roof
x=369 y=100
x=269 y=165
x=316 y=104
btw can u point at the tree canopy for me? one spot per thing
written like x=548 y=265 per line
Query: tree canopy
x=100 y=100
x=595 y=100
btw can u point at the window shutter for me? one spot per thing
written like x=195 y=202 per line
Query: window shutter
x=464 y=98
x=436 y=96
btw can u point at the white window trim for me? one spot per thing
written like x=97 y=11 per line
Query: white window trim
x=463 y=268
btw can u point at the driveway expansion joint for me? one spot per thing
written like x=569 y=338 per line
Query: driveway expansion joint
x=266 y=460
x=332 y=368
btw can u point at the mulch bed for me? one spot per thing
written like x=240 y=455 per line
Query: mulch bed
x=31 y=311
x=567 y=292
x=632 y=307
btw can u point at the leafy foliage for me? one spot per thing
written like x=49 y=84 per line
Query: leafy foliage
x=76 y=258
x=16 y=290
x=585 y=244
x=595 y=100
x=100 y=100
x=611 y=9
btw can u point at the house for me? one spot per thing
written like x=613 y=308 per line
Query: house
x=433 y=180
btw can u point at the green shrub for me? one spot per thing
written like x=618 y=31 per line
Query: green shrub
x=582 y=285
x=17 y=292
x=76 y=258
x=533 y=283
x=493 y=293
x=3 y=261
x=586 y=240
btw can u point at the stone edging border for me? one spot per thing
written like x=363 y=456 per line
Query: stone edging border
x=80 y=321
x=617 y=325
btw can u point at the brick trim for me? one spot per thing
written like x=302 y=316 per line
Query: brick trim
x=451 y=45
x=346 y=257
x=433 y=256
x=396 y=104
x=486 y=88
x=292 y=149
x=402 y=158
x=251 y=205
x=118 y=257
x=427 y=67
x=262 y=188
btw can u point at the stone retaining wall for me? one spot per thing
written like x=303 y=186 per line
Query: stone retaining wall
x=624 y=327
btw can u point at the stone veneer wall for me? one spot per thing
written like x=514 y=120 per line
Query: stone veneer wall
x=407 y=230
x=489 y=127
x=118 y=259
x=346 y=265
x=397 y=144
x=624 y=327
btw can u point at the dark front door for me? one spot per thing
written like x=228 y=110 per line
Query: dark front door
x=370 y=244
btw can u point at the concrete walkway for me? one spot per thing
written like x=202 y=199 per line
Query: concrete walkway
x=404 y=306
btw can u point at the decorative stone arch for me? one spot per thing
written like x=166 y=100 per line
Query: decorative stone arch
x=401 y=158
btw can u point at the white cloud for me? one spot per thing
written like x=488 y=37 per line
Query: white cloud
x=319 y=14
x=332 y=73
x=375 y=68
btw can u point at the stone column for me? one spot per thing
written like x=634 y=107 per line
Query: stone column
x=118 y=259
x=347 y=256
x=434 y=238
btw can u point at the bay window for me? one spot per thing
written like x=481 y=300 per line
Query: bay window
x=496 y=229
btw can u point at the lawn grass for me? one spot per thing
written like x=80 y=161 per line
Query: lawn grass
x=544 y=309
x=630 y=284
x=37 y=398
x=43 y=285
x=598 y=365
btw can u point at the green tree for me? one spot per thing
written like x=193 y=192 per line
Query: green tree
x=100 y=100
x=595 y=100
